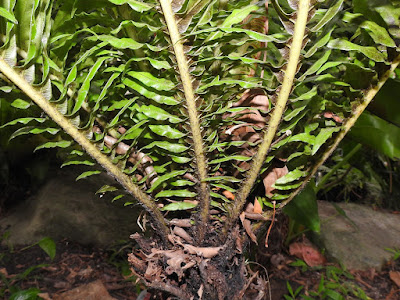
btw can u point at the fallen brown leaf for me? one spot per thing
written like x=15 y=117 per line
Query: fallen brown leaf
x=257 y=207
x=271 y=177
x=4 y=272
x=395 y=277
x=247 y=227
x=308 y=253
x=44 y=296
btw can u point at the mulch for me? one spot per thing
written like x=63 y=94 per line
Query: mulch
x=74 y=265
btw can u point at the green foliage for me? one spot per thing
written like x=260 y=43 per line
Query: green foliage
x=303 y=212
x=157 y=94
x=395 y=252
x=29 y=294
x=335 y=284
x=11 y=284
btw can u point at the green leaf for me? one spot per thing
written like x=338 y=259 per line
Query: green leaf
x=317 y=65
x=228 y=158
x=84 y=90
x=217 y=82
x=106 y=188
x=172 y=147
x=135 y=5
x=304 y=209
x=133 y=132
x=182 y=182
x=184 y=23
x=30 y=294
x=303 y=137
x=167 y=131
x=378 y=134
x=369 y=52
x=21 y=104
x=146 y=78
x=9 y=16
x=322 y=137
x=166 y=177
x=378 y=34
x=222 y=178
x=87 y=174
x=71 y=75
x=332 y=12
x=178 y=206
x=238 y=15
x=78 y=162
x=176 y=193
x=158 y=64
x=122 y=43
x=319 y=44
x=158 y=113
x=386 y=104
x=162 y=99
x=60 y=144
x=23 y=121
x=49 y=246
x=33 y=130
x=181 y=159
x=291 y=176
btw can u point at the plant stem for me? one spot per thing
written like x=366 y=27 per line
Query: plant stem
x=369 y=96
x=204 y=195
x=88 y=146
x=345 y=159
x=276 y=115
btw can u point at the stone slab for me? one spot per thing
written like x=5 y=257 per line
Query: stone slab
x=91 y=291
x=66 y=208
x=358 y=239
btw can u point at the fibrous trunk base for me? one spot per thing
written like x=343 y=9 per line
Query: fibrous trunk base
x=193 y=272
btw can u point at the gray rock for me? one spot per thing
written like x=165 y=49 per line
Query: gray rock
x=358 y=239
x=65 y=208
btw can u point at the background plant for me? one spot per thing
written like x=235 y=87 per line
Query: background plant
x=193 y=107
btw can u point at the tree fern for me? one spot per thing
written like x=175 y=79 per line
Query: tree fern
x=191 y=104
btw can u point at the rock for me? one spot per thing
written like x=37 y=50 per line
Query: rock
x=358 y=240
x=66 y=208
x=91 y=291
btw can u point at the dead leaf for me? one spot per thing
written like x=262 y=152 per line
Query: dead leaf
x=207 y=252
x=44 y=296
x=331 y=115
x=85 y=273
x=90 y=291
x=307 y=252
x=257 y=207
x=200 y=291
x=4 y=272
x=181 y=222
x=271 y=177
x=179 y=231
x=247 y=226
x=228 y=195
x=395 y=277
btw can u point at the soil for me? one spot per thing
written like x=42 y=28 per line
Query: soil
x=75 y=265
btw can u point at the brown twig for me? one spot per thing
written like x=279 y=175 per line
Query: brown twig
x=270 y=225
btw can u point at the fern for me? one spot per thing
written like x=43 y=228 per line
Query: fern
x=190 y=104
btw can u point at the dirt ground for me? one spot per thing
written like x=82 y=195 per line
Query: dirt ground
x=75 y=265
